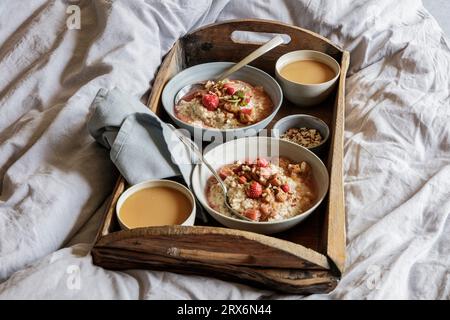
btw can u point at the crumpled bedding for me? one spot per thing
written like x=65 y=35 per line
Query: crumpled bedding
x=54 y=179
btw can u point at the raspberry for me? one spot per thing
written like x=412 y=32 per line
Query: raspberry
x=253 y=214
x=229 y=89
x=262 y=163
x=285 y=187
x=246 y=110
x=255 y=190
x=210 y=101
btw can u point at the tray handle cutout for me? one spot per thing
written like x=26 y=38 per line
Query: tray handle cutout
x=253 y=37
x=227 y=35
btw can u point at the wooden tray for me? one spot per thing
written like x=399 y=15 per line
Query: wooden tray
x=306 y=259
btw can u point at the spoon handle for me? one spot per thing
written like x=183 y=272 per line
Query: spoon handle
x=276 y=41
x=194 y=148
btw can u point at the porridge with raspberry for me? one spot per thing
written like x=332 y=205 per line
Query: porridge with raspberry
x=225 y=104
x=264 y=190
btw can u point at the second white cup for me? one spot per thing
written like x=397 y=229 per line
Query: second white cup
x=306 y=94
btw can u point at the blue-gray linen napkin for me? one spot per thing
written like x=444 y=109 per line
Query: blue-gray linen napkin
x=142 y=146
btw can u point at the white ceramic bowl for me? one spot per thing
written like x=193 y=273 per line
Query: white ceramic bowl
x=157 y=183
x=299 y=121
x=207 y=71
x=306 y=94
x=251 y=148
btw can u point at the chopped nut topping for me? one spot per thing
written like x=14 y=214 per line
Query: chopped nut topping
x=305 y=137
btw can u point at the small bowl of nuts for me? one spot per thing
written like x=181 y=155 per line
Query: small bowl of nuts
x=305 y=130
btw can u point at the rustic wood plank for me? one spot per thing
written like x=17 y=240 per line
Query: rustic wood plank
x=216 y=245
x=105 y=227
x=335 y=222
x=172 y=64
x=292 y=281
x=214 y=43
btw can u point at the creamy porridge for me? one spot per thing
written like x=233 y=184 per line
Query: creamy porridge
x=264 y=190
x=225 y=104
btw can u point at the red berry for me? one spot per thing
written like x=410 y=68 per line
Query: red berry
x=253 y=214
x=262 y=163
x=246 y=110
x=255 y=190
x=210 y=101
x=285 y=188
x=242 y=179
x=229 y=89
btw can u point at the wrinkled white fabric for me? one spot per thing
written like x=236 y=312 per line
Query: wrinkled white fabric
x=54 y=179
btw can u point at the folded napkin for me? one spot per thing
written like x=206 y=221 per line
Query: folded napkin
x=142 y=146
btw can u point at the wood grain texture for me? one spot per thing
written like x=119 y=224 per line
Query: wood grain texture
x=106 y=226
x=173 y=63
x=306 y=259
x=214 y=43
x=216 y=245
x=335 y=222
x=291 y=280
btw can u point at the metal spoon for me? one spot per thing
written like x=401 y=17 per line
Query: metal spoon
x=274 y=42
x=192 y=146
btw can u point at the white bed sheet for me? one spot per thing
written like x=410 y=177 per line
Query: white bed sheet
x=54 y=179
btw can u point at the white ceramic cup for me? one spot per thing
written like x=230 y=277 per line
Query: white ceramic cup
x=306 y=94
x=157 y=183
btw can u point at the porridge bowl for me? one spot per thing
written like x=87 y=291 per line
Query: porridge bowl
x=238 y=106
x=274 y=182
